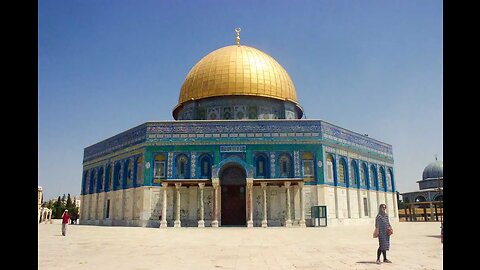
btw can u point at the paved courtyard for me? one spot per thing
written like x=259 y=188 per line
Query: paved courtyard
x=413 y=246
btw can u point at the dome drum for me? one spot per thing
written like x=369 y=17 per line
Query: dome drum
x=237 y=107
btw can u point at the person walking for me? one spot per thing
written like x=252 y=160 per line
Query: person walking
x=383 y=230
x=65 y=219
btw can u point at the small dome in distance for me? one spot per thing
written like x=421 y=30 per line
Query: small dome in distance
x=433 y=170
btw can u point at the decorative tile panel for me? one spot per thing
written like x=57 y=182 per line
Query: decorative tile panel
x=272 y=164
x=296 y=163
x=193 y=159
x=170 y=161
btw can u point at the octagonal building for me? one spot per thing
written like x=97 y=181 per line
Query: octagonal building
x=237 y=154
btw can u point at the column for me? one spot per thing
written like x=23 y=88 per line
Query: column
x=163 y=222
x=288 y=222
x=250 y=202
x=177 y=223
x=216 y=184
x=201 y=222
x=432 y=214
x=302 y=205
x=264 y=221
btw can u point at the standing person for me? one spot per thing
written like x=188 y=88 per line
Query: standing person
x=382 y=224
x=65 y=219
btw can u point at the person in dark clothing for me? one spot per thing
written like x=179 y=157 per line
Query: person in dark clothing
x=382 y=225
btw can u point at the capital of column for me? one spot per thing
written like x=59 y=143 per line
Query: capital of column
x=201 y=185
x=215 y=182
x=287 y=184
x=178 y=185
x=164 y=184
x=264 y=185
x=249 y=182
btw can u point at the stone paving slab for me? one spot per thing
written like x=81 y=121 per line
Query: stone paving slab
x=413 y=246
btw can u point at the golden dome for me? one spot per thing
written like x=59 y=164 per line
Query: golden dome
x=237 y=70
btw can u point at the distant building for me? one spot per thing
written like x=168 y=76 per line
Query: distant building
x=44 y=214
x=40 y=196
x=429 y=195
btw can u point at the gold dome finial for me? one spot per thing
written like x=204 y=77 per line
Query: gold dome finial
x=238 y=29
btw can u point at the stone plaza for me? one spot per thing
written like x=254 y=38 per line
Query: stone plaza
x=414 y=245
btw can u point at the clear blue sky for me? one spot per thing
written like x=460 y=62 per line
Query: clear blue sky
x=373 y=67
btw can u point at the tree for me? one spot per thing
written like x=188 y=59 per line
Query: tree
x=70 y=206
x=69 y=202
x=57 y=209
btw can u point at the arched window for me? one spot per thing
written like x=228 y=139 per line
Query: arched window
x=261 y=165
x=285 y=163
x=92 y=181
x=353 y=173
x=381 y=177
x=420 y=199
x=307 y=165
x=390 y=179
x=182 y=166
x=205 y=166
x=363 y=174
x=108 y=178
x=158 y=168
x=129 y=174
x=373 y=178
x=341 y=172
x=329 y=168
x=126 y=173
x=85 y=182
x=100 y=179
x=116 y=176
x=139 y=174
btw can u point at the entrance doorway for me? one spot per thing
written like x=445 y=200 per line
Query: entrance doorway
x=232 y=182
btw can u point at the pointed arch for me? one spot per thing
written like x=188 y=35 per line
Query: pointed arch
x=330 y=168
x=382 y=180
x=373 y=177
x=342 y=171
x=364 y=175
x=116 y=175
x=262 y=165
x=139 y=170
x=285 y=165
x=91 y=183
x=354 y=173
x=108 y=178
x=100 y=179
x=390 y=182
x=205 y=165
x=182 y=166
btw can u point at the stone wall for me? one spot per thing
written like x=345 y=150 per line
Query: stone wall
x=142 y=206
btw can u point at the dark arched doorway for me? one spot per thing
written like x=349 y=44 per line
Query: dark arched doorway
x=232 y=182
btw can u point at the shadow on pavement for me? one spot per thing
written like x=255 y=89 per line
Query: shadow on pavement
x=372 y=262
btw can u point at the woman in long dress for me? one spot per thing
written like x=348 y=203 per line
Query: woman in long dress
x=382 y=223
